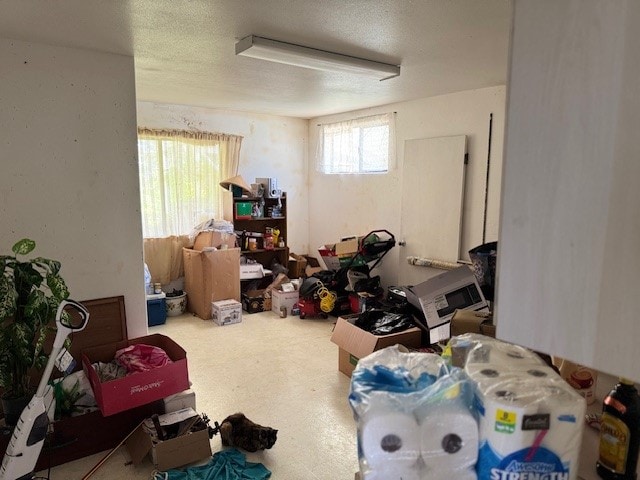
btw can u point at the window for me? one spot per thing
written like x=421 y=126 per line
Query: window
x=180 y=175
x=362 y=145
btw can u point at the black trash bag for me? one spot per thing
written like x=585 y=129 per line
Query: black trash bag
x=381 y=322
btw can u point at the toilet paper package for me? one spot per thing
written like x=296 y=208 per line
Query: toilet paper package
x=529 y=419
x=414 y=417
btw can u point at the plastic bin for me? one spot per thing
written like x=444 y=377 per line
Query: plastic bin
x=156 y=309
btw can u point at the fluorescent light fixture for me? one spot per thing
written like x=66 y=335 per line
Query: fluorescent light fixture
x=291 y=54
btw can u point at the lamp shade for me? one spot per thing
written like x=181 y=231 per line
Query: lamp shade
x=237 y=181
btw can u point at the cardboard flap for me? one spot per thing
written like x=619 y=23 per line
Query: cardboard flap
x=353 y=339
x=138 y=444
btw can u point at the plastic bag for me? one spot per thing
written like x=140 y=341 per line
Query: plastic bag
x=414 y=416
x=379 y=322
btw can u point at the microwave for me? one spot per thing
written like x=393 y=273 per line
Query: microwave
x=440 y=296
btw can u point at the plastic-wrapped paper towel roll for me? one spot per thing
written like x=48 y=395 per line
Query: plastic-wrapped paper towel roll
x=503 y=407
x=528 y=426
x=566 y=409
x=449 y=440
x=390 y=439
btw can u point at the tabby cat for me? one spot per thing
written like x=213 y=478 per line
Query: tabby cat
x=238 y=431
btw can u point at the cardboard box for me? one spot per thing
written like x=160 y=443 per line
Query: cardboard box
x=253 y=301
x=280 y=299
x=138 y=388
x=179 y=401
x=468 y=321
x=313 y=266
x=174 y=452
x=329 y=256
x=347 y=247
x=226 y=312
x=210 y=276
x=356 y=343
x=211 y=239
x=297 y=265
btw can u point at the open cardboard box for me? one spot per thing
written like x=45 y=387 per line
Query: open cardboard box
x=138 y=388
x=210 y=276
x=356 y=343
x=174 y=452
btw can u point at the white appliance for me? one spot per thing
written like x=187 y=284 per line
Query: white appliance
x=440 y=296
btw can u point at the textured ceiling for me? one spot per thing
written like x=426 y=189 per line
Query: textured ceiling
x=184 y=49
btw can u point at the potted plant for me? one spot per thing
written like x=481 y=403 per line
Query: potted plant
x=30 y=293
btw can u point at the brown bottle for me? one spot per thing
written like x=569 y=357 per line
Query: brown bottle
x=620 y=433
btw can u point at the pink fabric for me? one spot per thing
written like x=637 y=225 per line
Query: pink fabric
x=141 y=358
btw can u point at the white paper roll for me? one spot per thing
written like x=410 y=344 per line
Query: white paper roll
x=449 y=440
x=469 y=474
x=390 y=440
x=500 y=353
x=390 y=473
x=566 y=410
x=505 y=406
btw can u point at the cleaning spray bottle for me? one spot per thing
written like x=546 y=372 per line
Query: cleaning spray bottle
x=620 y=433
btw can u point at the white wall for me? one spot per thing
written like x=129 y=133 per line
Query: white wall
x=272 y=146
x=69 y=168
x=341 y=205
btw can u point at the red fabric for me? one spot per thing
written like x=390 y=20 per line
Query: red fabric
x=141 y=357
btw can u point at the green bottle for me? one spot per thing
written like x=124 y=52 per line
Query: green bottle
x=620 y=433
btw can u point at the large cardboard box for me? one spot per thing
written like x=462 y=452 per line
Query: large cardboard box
x=138 y=388
x=174 y=452
x=356 y=343
x=210 y=276
x=214 y=239
x=226 y=312
x=297 y=265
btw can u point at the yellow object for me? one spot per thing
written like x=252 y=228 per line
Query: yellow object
x=327 y=299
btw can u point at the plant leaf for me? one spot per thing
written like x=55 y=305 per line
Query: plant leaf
x=58 y=287
x=24 y=246
x=8 y=297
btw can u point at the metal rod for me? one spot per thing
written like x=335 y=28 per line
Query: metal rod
x=486 y=184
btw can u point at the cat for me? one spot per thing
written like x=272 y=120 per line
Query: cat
x=238 y=431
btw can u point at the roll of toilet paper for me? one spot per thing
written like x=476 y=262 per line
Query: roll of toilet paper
x=488 y=375
x=449 y=440
x=390 y=439
x=501 y=353
x=469 y=474
x=383 y=472
x=504 y=407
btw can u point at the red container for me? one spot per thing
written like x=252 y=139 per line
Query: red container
x=138 y=388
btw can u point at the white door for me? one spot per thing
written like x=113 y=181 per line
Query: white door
x=432 y=197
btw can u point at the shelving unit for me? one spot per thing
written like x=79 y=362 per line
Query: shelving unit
x=259 y=225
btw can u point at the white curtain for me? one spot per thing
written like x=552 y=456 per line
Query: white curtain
x=360 y=145
x=180 y=175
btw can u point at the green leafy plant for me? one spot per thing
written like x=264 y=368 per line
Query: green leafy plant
x=30 y=292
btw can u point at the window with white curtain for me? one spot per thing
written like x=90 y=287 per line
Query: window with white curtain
x=180 y=175
x=361 y=145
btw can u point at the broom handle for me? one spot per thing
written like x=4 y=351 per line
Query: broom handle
x=106 y=457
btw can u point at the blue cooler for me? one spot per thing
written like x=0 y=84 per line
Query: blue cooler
x=156 y=309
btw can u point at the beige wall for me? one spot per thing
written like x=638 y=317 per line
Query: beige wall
x=272 y=146
x=343 y=205
x=69 y=168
